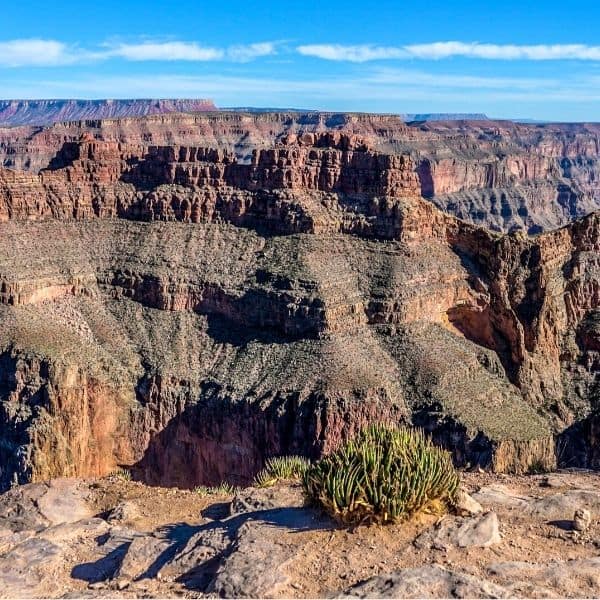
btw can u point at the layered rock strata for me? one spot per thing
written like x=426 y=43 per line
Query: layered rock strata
x=502 y=175
x=186 y=312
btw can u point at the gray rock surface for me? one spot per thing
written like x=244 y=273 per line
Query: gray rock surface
x=479 y=531
x=255 y=568
x=465 y=505
x=125 y=511
x=253 y=499
x=554 y=579
x=39 y=505
x=144 y=557
x=431 y=581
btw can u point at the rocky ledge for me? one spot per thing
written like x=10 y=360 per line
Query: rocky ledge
x=516 y=537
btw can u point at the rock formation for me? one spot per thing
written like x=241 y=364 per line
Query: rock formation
x=44 y=112
x=189 y=309
x=499 y=174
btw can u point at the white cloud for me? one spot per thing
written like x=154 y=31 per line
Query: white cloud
x=437 y=50
x=189 y=51
x=34 y=52
x=166 y=51
x=248 y=52
x=361 y=53
x=38 y=52
x=505 y=51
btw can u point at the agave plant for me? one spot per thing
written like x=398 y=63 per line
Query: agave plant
x=280 y=468
x=384 y=474
x=223 y=489
x=121 y=473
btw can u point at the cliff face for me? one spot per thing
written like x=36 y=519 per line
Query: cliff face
x=192 y=309
x=498 y=174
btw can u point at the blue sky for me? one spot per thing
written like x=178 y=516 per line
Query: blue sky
x=538 y=60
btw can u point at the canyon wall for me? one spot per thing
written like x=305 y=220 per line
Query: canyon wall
x=502 y=175
x=188 y=310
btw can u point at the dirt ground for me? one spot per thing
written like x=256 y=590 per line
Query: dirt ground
x=330 y=559
x=112 y=537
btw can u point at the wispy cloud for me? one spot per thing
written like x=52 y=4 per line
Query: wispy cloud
x=505 y=51
x=35 y=52
x=393 y=76
x=244 y=53
x=361 y=53
x=48 y=53
x=189 y=51
x=167 y=51
x=439 y=50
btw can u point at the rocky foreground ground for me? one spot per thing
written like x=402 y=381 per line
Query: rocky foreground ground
x=116 y=538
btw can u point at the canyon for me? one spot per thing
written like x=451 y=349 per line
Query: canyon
x=499 y=174
x=186 y=295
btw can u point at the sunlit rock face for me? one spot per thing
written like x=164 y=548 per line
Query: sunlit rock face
x=189 y=294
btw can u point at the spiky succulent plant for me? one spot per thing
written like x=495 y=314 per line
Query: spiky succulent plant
x=281 y=468
x=223 y=489
x=121 y=473
x=384 y=474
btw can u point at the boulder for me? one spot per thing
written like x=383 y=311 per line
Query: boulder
x=255 y=568
x=582 y=519
x=479 y=531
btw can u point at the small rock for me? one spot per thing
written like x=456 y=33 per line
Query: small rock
x=482 y=532
x=124 y=511
x=552 y=481
x=97 y=585
x=582 y=519
x=466 y=505
x=122 y=584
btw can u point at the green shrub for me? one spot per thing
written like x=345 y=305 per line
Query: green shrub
x=223 y=489
x=121 y=473
x=281 y=468
x=384 y=474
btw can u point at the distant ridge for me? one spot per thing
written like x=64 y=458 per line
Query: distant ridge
x=15 y=113
x=45 y=112
x=404 y=116
x=444 y=117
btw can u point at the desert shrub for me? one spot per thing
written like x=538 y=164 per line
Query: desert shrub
x=223 y=489
x=122 y=474
x=281 y=468
x=384 y=474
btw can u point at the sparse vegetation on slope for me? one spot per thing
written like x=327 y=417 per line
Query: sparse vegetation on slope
x=384 y=474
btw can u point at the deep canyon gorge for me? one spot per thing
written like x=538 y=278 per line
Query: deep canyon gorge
x=188 y=294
